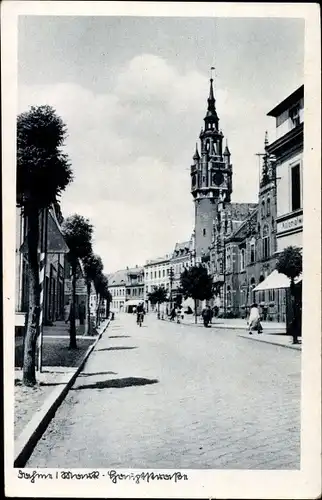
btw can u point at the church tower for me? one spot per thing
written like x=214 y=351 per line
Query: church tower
x=211 y=177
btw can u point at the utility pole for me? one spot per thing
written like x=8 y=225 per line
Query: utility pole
x=171 y=275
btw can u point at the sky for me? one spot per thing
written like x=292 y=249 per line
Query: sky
x=133 y=94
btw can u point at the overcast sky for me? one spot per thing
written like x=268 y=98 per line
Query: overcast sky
x=133 y=94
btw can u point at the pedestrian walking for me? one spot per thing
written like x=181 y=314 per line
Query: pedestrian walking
x=206 y=316
x=254 y=323
x=216 y=306
x=172 y=314
x=82 y=312
x=67 y=312
x=179 y=315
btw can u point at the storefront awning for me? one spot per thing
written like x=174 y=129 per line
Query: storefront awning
x=274 y=281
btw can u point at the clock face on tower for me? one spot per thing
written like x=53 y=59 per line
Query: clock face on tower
x=218 y=178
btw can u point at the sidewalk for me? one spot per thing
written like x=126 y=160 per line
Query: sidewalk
x=273 y=332
x=35 y=406
x=235 y=324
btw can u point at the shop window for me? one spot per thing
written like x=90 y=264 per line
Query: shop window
x=228 y=296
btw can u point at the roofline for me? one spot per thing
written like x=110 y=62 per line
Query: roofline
x=283 y=105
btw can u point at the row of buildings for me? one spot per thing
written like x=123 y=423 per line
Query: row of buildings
x=57 y=276
x=239 y=243
x=128 y=287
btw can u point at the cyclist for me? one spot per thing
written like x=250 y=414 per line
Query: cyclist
x=140 y=312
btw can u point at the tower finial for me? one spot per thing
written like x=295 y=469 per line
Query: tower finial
x=226 y=152
x=265 y=168
x=196 y=155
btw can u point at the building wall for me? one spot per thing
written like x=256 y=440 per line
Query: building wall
x=284 y=122
x=118 y=293
x=156 y=274
x=284 y=189
x=205 y=210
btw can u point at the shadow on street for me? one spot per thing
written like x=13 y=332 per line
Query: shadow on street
x=97 y=373
x=117 y=348
x=119 y=383
x=119 y=336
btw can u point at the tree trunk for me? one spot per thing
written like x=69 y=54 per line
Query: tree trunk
x=294 y=331
x=158 y=310
x=108 y=308
x=195 y=303
x=72 y=331
x=98 y=302
x=88 y=322
x=32 y=331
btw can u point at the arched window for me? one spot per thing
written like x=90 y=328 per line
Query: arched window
x=263 y=209
x=268 y=207
x=242 y=259
x=252 y=251
x=266 y=242
x=204 y=232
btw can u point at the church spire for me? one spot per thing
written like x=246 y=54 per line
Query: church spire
x=265 y=169
x=211 y=111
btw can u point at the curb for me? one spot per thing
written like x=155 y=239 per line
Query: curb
x=229 y=327
x=34 y=430
x=288 y=346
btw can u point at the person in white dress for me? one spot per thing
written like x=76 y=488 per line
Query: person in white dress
x=254 y=323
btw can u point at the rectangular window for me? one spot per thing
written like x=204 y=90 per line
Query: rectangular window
x=296 y=187
x=163 y=273
x=159 y=274
x=155 y=274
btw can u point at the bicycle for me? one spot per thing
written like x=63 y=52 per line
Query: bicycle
x=140 y=319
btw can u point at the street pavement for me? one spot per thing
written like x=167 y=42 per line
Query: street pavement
x=176 y=396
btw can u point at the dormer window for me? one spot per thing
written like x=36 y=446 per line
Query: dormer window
x=294 y=114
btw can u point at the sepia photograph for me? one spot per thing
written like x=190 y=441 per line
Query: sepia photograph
x=159 y=247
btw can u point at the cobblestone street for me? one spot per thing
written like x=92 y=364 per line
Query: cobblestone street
x=176 y=396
